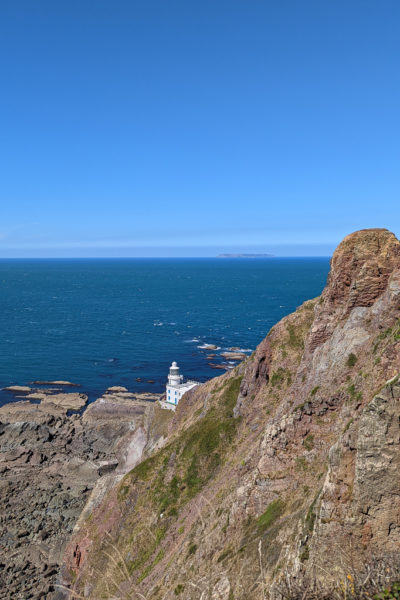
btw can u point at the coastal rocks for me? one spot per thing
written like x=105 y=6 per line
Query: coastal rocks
x=234 y=355
x=50 y=464
x=54 y=396
x=116 y=388
x=57 y=382
x=70 y=401
x=229 y=356
x=22 y=389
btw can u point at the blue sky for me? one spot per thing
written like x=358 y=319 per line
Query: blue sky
x=192 y=127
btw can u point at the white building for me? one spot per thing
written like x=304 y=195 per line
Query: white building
x=176 y=387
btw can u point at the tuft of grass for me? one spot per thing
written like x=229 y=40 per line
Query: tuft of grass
x=273 y=512
x=305 y=555
x=295 y=338
x=354 y=395
x=308 y=442
x=377 y=580
x=314 y=390
x=301 y=463
x=143 y=469
x=146 y=572
x=192 y=549
x=281 y=376
x=351 y=360
x=349 y=422
x=311 y=514
x=224 y=554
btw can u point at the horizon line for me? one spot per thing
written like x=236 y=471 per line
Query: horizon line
x=223 y=258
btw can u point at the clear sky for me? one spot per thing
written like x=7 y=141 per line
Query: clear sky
x=192 y=127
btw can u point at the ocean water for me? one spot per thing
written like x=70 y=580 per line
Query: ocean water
x=103 y=322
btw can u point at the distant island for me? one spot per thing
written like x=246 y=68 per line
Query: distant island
x=244 y=255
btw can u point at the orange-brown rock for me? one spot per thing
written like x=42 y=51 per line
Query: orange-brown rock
x=360 y=269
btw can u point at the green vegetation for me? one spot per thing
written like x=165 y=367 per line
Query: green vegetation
x=301 y=463
x=308 y=442
x=197 y=454
x=390 y=332
x=305 y=554
x=179 y=589
x=354 y=395
x=273 y=512
x=143 y=469
x=281 y=376
x=296 y=340
x=309 y=523
x=175 y=474
x=147 y=551
x=311 y=515
x=123 y=492
x=224 y=554
x=349 y=422
x=146 y=572
x=389 y=593
x=192 y=549
x=314 y=390
x=351 y=360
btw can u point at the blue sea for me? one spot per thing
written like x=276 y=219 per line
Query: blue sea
x=103 y=322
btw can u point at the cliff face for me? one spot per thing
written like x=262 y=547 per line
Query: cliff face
x=285 y=466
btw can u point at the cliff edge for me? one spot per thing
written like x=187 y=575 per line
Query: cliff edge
x=283 y=469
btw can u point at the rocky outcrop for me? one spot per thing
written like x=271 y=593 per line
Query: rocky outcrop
x=361 y=268
x=283 y=467
x=359 y=504
x=51 y=466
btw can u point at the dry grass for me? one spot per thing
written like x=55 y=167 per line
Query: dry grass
x=374 y=581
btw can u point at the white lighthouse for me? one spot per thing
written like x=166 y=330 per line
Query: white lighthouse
x=176 y=387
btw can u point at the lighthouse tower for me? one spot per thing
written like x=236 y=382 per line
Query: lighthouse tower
x=174 y=377
x=176 y=387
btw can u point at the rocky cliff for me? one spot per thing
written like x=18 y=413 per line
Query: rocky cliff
x=284 y=468
x=52 y=465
